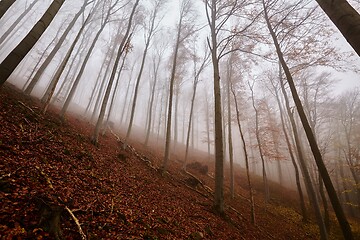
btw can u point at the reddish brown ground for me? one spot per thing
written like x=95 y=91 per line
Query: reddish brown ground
x=117 y=194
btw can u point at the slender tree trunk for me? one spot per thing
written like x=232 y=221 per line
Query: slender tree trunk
x=208 y=126
x=325 y=203
x=133 y=106
x=17 y=55
x=121 y=49
x=150 y=121
x=51 y=89
x=292 y=157
x=114 y=92
x=53 y=52
x=16 y=22
x=252 y=202
x=171 y=93
x=125 y=101
x=345 y=227
x=110 y=52
x=231 y=152
x=257 y=133
x=346 y=190
x=39 y=61
x=4 y=6
x=160 y=115
x=65 y=85
x=176 y=108
x=103 y=82
x=219 y=152
x=346 y=19
x=189 y=124
x=83 y=65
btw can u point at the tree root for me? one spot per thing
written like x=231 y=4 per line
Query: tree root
x=51 y=213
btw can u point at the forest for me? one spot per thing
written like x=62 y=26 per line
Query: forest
x=180 y=119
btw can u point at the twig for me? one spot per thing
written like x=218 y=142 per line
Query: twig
x=9 y=174
x=82 y=234
x=27 y=107
x=236 y=211
x=207 y=188
x=117 y=137
x=46 y=177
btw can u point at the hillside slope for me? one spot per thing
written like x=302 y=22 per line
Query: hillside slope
x=48 y=166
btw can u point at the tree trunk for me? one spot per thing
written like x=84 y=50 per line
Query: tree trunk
x=347 y=202
x=53 y=52
x=133 y=106
x=231 y=152
x=114 y=92
x=17 y=55
x=292 y=157
x=38 y=62
x=110 y=52
x=257 y=134
x=345 y=18
x=83 y=65
x=171 y=93
x=4 y=6
x=16 y=22
x=103 y=82
x=252 y=202
x=176 y=108
x=189 y=124
x=150 y=121
x=208 y=126
x=125 y=102
x=345 y=227
x=121 y=49
x=51 y=89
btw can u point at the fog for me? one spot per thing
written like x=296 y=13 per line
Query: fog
x=328 y=85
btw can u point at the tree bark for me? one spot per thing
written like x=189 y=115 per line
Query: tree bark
x=4 y=6
x=21 y=50
x=345 y=18
x=219 y=147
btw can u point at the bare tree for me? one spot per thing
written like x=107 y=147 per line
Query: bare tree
x=55 y=79
x=259 y=143
x=104 y=21
x=310 y=136
x=252 y=202
x=122 y=47
x=184 y=30
x=197 y=71
x=157 y=58
x=150 y=30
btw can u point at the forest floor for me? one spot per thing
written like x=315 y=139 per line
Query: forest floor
x=50 y=168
